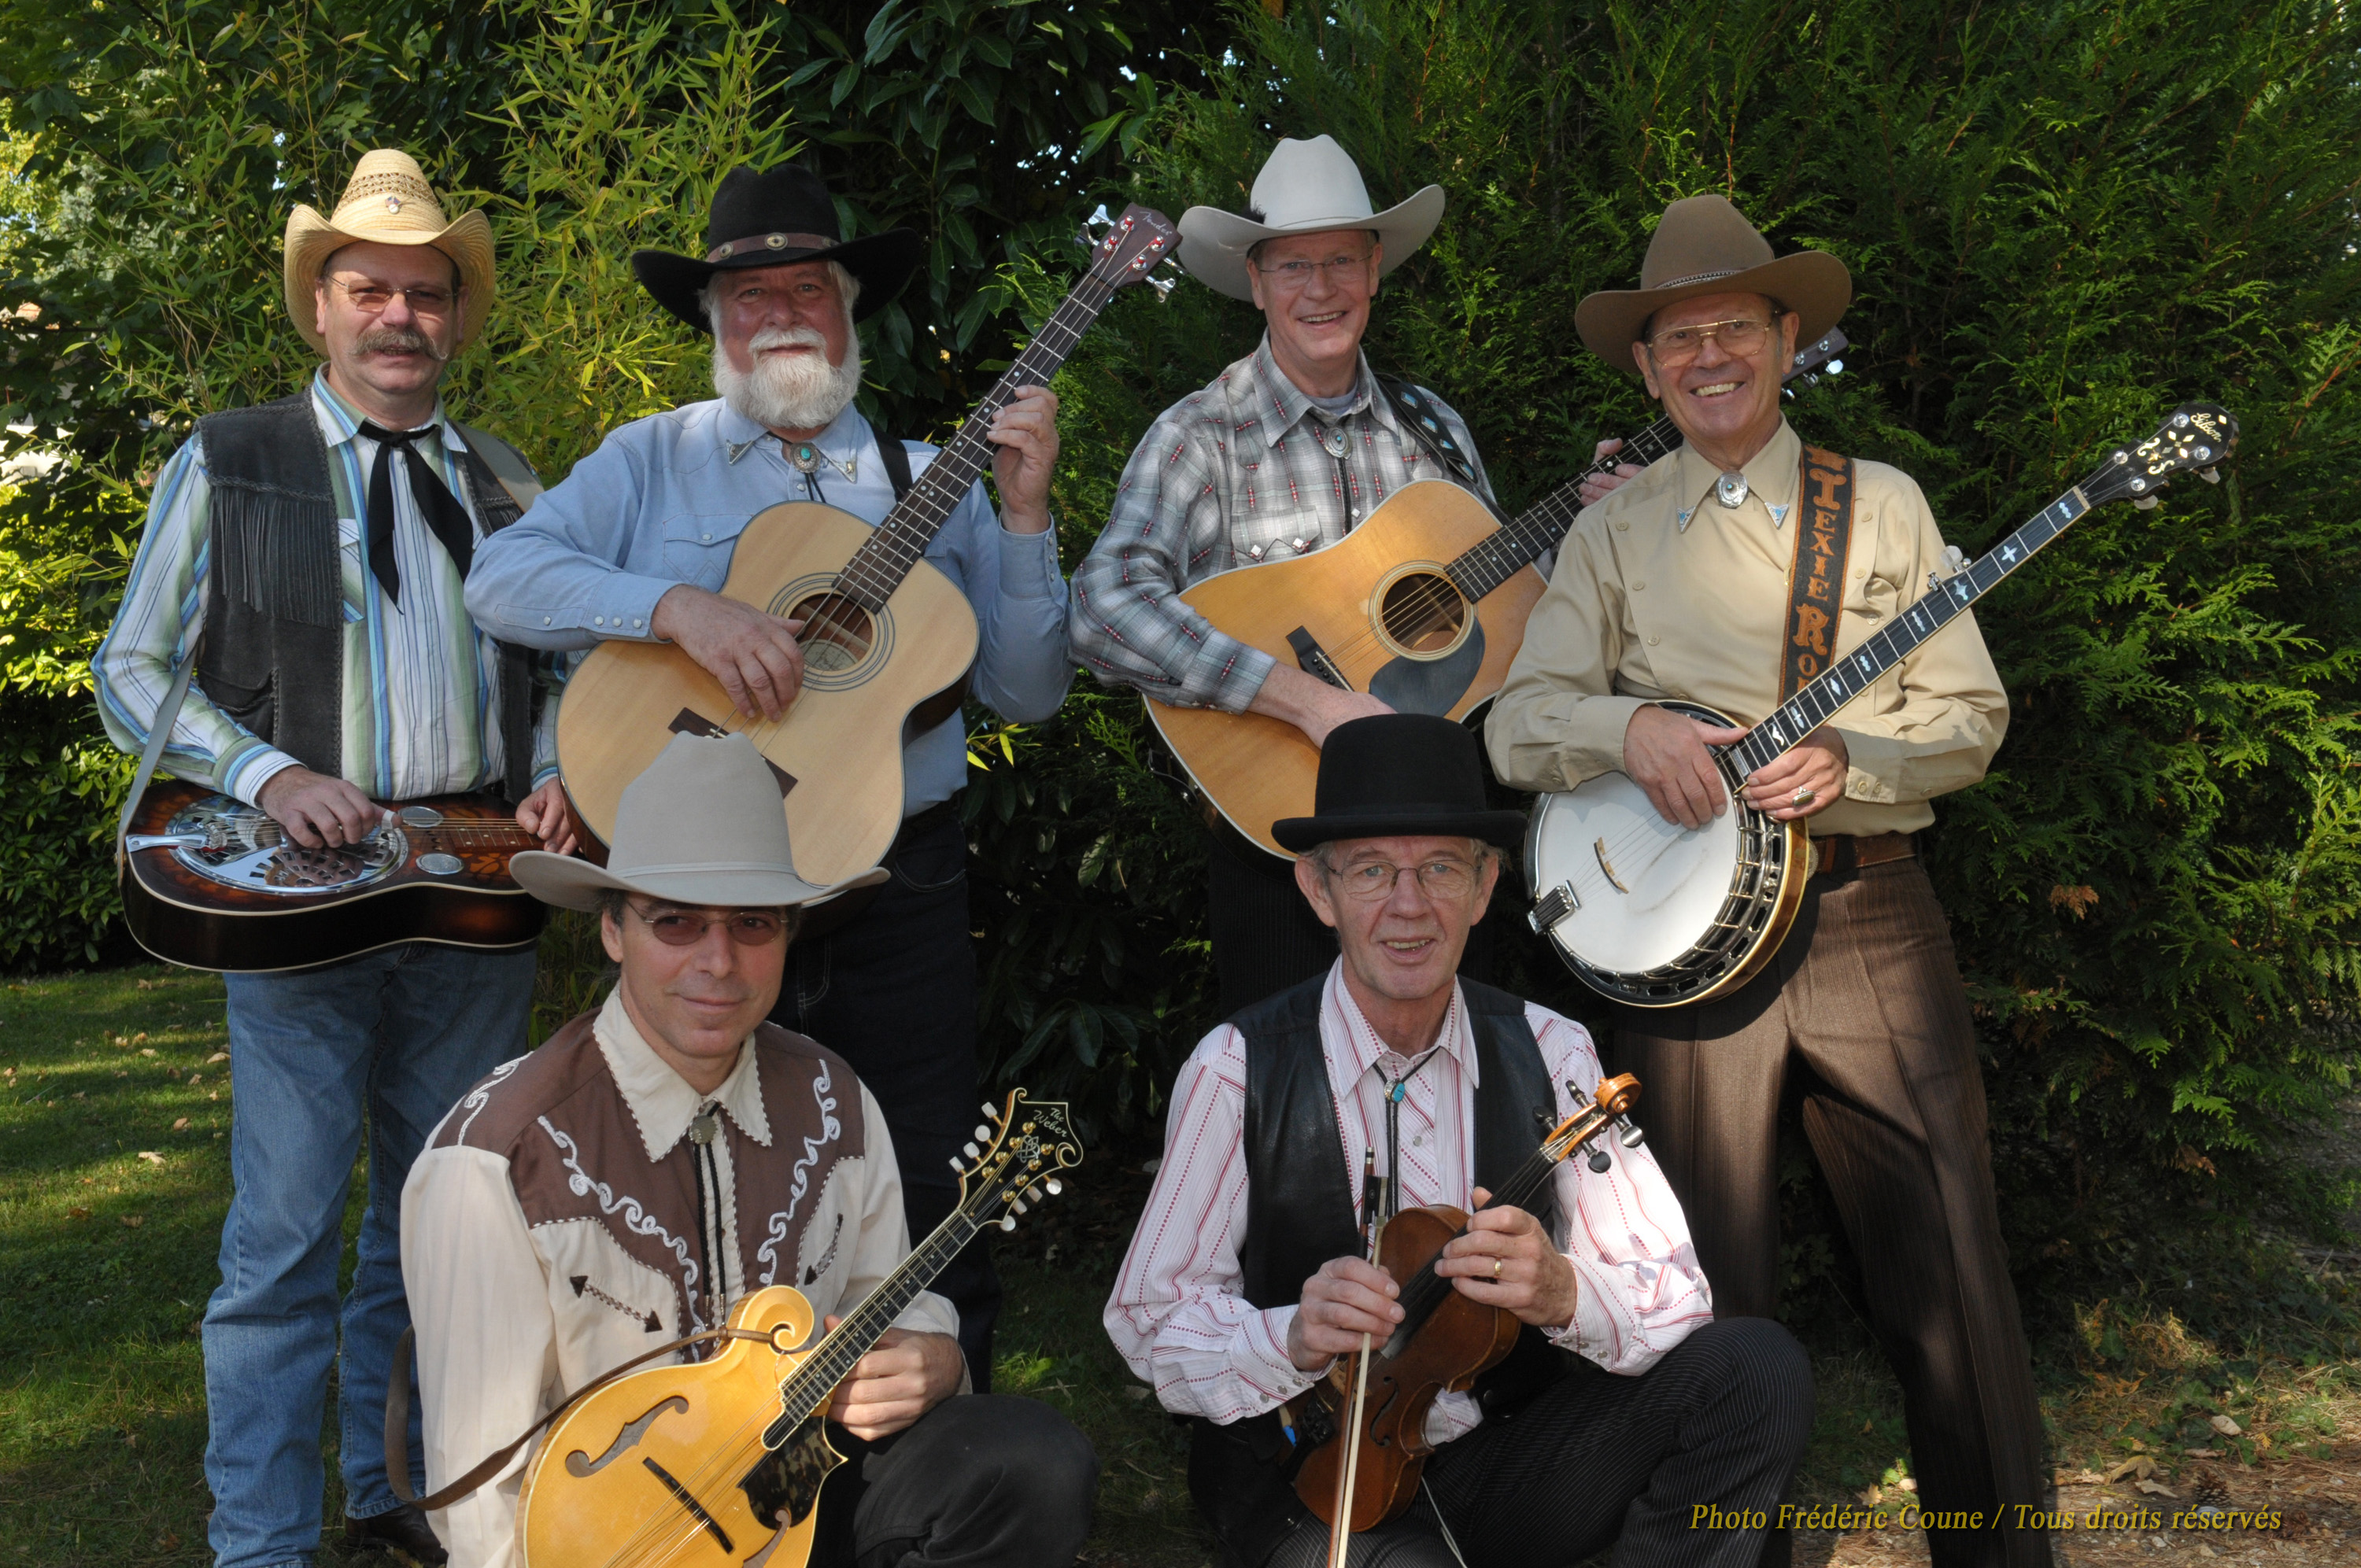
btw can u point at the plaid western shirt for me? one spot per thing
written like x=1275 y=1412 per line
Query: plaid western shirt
x=1244 y=472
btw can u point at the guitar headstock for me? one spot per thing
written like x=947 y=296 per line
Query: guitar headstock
x=2192 y=439
x=1014 y=1159
x=1133 y=246
x=1805 y=366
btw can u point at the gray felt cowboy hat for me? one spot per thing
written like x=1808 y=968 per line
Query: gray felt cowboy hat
x=1306 y=187
x=702 y=827
x=769 y=218
x=1705 y=245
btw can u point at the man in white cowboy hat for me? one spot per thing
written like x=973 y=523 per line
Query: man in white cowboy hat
x=1624 y=1411
x=663 y=1156
x=302 y=570
x=635 y=544
x=1280 y=454
x=1678 y=586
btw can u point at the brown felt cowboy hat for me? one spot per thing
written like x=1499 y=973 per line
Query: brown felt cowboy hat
x=1705 y=245
x=389 y=201
x=769 y=218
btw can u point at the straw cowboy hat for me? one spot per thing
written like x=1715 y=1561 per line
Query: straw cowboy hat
x=1305 y=188
x=387 y=200
x=1705 y=245
x=769 y=218
x=1399 y=775
x=702 y=826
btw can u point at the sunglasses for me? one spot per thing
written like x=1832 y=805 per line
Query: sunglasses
x=685 y=927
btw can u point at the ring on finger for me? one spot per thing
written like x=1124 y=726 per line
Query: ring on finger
x=1804 y=796
x=1496 y=1269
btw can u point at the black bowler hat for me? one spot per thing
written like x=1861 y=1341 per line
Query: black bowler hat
x=769 y=218
x=1399 y=775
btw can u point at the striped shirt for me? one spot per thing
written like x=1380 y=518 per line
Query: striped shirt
x=419 y=680
x=1244 y=472
x=1176 y=1315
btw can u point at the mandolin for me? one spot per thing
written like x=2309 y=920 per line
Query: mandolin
x=1368 y=1417
x=884 y=631
x=212 y=882
x=1422 y=605
x=1655 y=914
x=723 y=1461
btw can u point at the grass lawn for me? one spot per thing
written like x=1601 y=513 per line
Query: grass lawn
x=114 y=1178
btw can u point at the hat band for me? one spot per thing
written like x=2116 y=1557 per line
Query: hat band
x=1695 y=277
x=772 y=242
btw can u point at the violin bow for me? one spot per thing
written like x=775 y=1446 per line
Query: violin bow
x=1340 y=1534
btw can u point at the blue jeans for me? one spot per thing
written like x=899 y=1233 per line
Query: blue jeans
x=395 y=1038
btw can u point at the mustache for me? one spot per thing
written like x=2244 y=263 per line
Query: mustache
x=788 y=337
x=398 y=340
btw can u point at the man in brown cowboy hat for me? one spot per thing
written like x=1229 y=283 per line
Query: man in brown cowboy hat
x=661 y=1158
x=1282 y=453
x=301 y=572
x=1676 y=587
x=636 y=544
x=1624 y=1412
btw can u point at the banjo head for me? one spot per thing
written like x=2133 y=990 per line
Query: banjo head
x=1643 y=888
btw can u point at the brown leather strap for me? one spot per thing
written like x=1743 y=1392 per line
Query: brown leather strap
x=1841 y=854
x=397 y=1419
x=1816 y=579
x=771 y=242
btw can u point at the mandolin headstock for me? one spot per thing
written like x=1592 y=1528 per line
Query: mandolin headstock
x=1013 y=1161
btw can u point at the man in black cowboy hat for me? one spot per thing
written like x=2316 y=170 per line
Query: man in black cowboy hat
x=1637 y=1418
x=636 y=544
x=1701 y=580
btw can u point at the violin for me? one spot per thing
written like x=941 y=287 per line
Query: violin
x=1368 y=1417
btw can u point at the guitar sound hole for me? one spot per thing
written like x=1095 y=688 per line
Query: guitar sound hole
x=1422 y=612
x=837 y=632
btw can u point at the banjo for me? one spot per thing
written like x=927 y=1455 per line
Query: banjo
x=1654 y=915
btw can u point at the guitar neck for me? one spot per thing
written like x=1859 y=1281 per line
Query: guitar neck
x=1856 y=671
x=1528 y=537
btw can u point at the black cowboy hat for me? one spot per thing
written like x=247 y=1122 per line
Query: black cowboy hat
x=769 y=218
x=1397 y=776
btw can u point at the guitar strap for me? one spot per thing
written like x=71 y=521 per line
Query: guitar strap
x=1815 y=578
x=168 y=713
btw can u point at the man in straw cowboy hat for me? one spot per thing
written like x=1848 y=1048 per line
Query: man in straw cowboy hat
x=1677 y=586
x=1281 y=453
x=301 y=572
x=663 y=1156
x=1625 y=1412
x=636 y=544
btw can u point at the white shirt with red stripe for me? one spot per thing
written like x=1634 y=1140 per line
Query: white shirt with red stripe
x=1176 y=1316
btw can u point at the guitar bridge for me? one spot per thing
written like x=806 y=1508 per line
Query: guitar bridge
x=1313 y=660
x=1552 y=907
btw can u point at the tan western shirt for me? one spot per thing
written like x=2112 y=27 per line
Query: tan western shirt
x=1642 y=608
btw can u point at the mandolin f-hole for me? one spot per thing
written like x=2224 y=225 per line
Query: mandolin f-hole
x=1420 y=614
x=836 y=635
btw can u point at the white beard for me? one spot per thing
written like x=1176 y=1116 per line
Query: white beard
x=789 y=391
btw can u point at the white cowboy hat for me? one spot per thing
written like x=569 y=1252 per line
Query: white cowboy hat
x=387 y=200
x=1306 y=187
x=702 y=827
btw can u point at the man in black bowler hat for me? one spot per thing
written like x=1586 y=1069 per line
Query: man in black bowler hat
x=635 y=544
x=1625 y=1413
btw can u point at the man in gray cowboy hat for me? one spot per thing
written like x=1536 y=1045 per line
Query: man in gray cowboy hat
x=301 y=573
x=1282 y=453
x=1625 y=1412
x=636 y=544
x=1676 y=587
x=658 y=1160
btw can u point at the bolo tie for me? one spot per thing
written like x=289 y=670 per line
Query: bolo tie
x=707 y=1167
x=444 y=517
x=1730 y=490
x=808 y=459
x=1396 y=1090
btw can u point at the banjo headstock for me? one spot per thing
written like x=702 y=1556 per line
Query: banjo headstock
x=2192 y=439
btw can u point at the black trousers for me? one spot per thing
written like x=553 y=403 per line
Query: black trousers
x=1864 y=1002
x=894 y=993
x=1718 y=1423
x=980 y=1481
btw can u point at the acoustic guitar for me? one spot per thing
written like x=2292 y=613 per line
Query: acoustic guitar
x=212 y=882
x=1422 y=605
x=884 y=631
x=723 y=1461
x=1655 y=914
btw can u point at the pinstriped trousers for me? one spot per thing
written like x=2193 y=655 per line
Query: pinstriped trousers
x=1865 y=1001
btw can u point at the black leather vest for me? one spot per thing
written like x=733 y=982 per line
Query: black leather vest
x=272 y=654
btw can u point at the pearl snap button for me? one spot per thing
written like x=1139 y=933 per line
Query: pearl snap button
x=1642 y=583
x=544 y=620
x=707 y=538
x=598 y=621
x=1653 y=641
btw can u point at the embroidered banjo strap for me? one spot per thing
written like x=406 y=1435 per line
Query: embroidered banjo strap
x=1815 y=579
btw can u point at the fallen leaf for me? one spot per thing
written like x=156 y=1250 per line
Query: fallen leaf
x=78 y=1213
x=182 y=1126
x=2223 y=1425
x=2139 y=1465
x=2157 y=1489
x=134 y=1220
x=1867 y=1427
x=152 y=1157
x=139 y=1036
x=149 y=1052
x=217 y=1056
x=1908 y=1483
x=2203 y=1454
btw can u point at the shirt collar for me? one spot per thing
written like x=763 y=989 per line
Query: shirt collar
x=1362 y=1047
x=1271 y=390
x=661 y=1101
x=1772 y=478
x=341 y=422
x=843 y=442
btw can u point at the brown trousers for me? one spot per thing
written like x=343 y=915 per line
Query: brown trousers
x=1864 y=999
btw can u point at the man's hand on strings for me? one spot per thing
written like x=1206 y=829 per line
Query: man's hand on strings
x=542 y=814
x=317 y=810
x=1667 y=755
x=905 y=1375
x=1816 y=770
x=755 y=656
x=1347 y=1298
x=1597 y=488
x=1025 y=433
x=1505 y=1260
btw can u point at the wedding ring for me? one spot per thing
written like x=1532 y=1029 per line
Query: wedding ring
x=1496 y=1269
x=1803 y=796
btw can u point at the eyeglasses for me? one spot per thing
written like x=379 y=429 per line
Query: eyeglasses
x=1296 y=274
x=1366 y=882
x=683 y=928
x=371 y=299
x=1679 y=345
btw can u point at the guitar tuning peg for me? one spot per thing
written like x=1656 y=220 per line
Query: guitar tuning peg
x=957 y=1167
x=2211 y=475
x=1163 y=287
x=1007 y=1221
x=1632 y=1136
x=984 y=1134
x=1032 y=1195
x=1055 y=1186
x=2145 y=503
x=1599 y=1161
x=991 y=1111
x=971 y=1151
x=1017 y=1207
